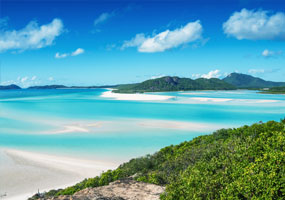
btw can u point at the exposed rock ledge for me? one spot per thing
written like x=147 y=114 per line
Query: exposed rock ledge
x=127 y=189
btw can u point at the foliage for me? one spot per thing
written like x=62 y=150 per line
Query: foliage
x=242 y=163
x=275 y=90
x=169 y=83
x=250 y=82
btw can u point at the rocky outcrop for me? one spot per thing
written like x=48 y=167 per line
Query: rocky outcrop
x=127 y=189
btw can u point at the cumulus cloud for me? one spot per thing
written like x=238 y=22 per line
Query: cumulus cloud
x=210 y=74
x=32 y=36
x=103 y=17
x=74 y=53
x=267 y=53
x=50 y=78
x=77 y=52
x=167 y=39
x=256 y=25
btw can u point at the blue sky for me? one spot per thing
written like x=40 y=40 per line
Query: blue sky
x=111 y=42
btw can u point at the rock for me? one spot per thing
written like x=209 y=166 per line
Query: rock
x=127 y=189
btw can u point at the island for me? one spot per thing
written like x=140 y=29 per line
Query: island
x=233 y=81
x=9 y=87
x=174 y=83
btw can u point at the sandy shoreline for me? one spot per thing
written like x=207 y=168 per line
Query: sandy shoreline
x=221 y=100
x=23 y=173
x=127 y=124
x=135 y=97
x=158 y=97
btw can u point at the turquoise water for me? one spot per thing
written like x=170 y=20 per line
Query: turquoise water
x=37 y=119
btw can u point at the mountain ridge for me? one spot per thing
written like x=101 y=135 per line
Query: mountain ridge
x=245 y=81
x=174 y=83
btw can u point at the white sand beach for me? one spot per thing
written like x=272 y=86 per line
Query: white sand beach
x=135 y=97
x=23 y=173
x=228 y=100
x=210 y=99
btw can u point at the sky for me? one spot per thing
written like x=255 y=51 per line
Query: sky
x=74 y=42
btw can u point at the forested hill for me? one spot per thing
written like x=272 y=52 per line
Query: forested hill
x=247 y=81
x=241 y=163
x=174 y=83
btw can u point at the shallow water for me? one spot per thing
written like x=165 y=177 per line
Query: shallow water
x=81 y=123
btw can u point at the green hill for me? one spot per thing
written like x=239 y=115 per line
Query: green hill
x=247 y=81
x=241 y=163
x=169 y=83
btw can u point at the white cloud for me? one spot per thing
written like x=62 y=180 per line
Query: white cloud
x=58 y=55
x=210 y=74
x=24 y=79
x=77 y=52
x=50 y=79
x=74 y=53
x=166 y=39
x=256 y=25
x=103 y=17
x=136 y=41
x=32 y=36
x=267 y=53
x=256 y=71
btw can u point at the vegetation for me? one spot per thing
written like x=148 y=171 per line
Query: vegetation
x=169 y=83
x=274 y=90
x=242 y=163
x=48 y=87
x=249 y=82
